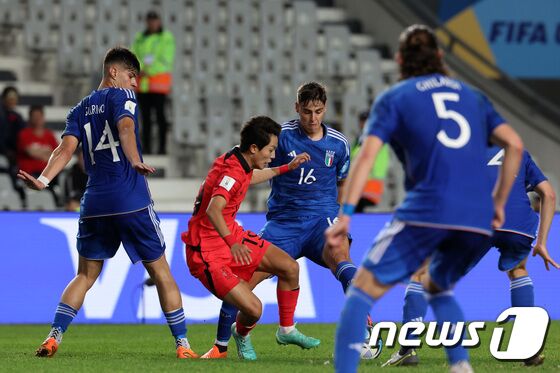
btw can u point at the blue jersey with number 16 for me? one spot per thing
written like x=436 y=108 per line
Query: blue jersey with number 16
x=113 y=186
x=440 y=129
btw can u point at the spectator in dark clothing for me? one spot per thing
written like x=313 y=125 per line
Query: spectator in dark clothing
x=75 y=183
x=11 y=123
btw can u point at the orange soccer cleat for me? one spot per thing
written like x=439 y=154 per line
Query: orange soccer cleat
x=214 y=353
x=49 y=347
x=184 y=350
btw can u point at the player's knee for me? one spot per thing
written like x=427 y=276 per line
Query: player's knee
x=291 y=271
x=519 y=271
x=254 y=309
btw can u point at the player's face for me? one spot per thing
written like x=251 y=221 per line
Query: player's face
x=311 y=116
x=125 y=78
x=261 y=158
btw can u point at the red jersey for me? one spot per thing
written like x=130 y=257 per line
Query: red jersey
x=229 y=177
x=28 y=138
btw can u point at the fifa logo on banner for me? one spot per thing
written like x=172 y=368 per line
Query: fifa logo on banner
x=527 y=337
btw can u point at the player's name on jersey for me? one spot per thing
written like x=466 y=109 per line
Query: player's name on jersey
x=95 y=109
x=437 y=82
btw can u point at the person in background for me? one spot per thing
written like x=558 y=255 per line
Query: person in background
x=375 y=185
x=155 y=48
x=35 y=143
x=75 y=183
x=11 y=123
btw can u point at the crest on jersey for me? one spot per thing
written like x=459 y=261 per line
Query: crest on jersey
x=329 y=157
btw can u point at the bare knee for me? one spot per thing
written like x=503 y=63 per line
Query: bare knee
x=292 y=271
x=253 y=308
x=519 y=271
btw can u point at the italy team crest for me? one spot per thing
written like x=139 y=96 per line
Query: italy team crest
x=329 y=157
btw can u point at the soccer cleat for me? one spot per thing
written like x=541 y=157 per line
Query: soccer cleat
x=370 y=350
x=538 y=359
x=462 y=366
x=49 y=347
x=214 y=353
x=184 y=349
x=410 y=358
x=245 y=350
x=295 y=337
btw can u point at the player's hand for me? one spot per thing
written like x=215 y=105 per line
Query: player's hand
x=298 y=161
x=499 y=217
x=542 y=251
x=30 y=181
x=337 y=233
x=241 y=254
x=143 y=169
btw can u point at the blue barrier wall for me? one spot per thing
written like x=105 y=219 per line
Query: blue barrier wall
x=39 y=257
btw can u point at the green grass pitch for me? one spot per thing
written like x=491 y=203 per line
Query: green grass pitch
x=139 y=348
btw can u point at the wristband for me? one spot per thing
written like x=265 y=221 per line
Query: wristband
x=44 y=180
x=230 y=240
x=348 y=209
x=283 y=169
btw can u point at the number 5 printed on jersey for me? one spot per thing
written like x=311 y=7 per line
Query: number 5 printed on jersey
x=442 y=112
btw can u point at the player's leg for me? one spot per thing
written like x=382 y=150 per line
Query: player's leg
x=145 y=104
x=278 y=262
x=70 y=302
x=143 y=241
x=455 y=257
x=97 y=240
x=336 y=259
x=414 y=309
x=396 y=253
x=228 y=313
x=159 y=106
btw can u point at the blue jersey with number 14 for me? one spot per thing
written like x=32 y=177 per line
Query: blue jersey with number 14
x=312 y=189
x=440 y=129
x=113 y=186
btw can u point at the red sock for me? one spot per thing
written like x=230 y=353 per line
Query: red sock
x=287 y=301
x=241 y=329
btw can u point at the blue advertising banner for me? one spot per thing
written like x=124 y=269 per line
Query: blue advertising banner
x=40 y=258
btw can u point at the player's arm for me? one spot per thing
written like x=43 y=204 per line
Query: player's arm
x=354 y=185
x=57 y=161
x=127 y=139
x=547 y=208
x=506 y=137
x=260 y=176
x=241 y=253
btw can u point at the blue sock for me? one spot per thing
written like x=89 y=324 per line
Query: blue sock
x=415 y=304
x=63 y=316
x=176 y=322
x=227 y=318
x=350 y=330
x=344 y=273
x=446 y=308
x=522 y=292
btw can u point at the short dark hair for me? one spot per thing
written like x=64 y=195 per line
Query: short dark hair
x=419 y=52
x=36 y=107
x=8 y=89
x=311 y=91
x=123 y=56
x=258 y=130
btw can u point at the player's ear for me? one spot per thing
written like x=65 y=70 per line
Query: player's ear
x=398 y=58
x=253 y=148
x=296 y=106
x=113 y=71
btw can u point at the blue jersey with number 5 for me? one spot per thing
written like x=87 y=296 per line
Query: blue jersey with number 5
x=520 y=217
x=440 y=129
x=113 y=186
x=310 y=190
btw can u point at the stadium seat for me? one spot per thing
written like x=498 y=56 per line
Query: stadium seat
x=272 y=46
x=186 y=118
x=239 y=48
x=137 y=11
x=10 y=13
x=338 y=50
x=352 y=105
x=283 y=109
x=304 y=46
x=219 y=126
x=38 y=31
x=9 y=199
x=106 y=29
x=72 y=58
x=174 y=19
x=205 y=51
x=370 y=78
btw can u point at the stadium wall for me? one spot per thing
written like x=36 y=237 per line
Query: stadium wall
x=40 y=258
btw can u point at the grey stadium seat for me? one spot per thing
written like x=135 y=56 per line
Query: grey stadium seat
x=239 y=45
x=40 y=200
x=106 y=29
x=38 y=32
x=186 y=118
x=9 y=199
x=272 y=45
x=338 y=49
x=219 y=126
x=71 y=51
x=370 y=78
x=205 y=50
x=304 y=46
x=137 y=11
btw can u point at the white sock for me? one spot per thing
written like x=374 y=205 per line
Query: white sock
x=221 y=343
x=286 y=329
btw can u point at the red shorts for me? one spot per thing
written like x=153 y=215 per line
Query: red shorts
x=213 y=265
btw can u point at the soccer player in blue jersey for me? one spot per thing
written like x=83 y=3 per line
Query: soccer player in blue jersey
x=514 y=241
x=439 y=128
x=117 y=206
x=302 y=204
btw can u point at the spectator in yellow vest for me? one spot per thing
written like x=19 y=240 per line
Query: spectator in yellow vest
x=373 y=191
x=155 y=48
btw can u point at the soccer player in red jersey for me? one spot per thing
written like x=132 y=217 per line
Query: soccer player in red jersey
x=223 y=256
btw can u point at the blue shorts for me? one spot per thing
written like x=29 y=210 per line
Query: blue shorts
x=400 y=249
x=100 y=237
x=513 y=247
x=303 y=237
